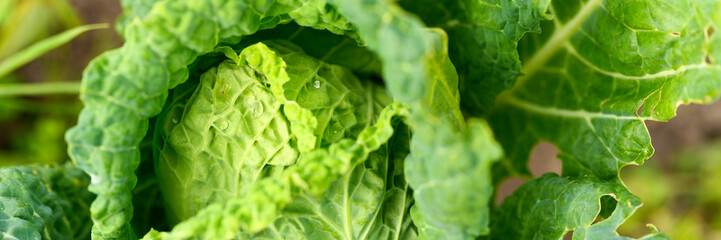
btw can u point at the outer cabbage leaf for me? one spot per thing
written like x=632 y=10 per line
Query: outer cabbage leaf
x=133 y=9
x=598 y=64
x=123 y=88
x=550 y=206
x=441 y=163
x=44 y=203
x=483 y=40
x=417 y=71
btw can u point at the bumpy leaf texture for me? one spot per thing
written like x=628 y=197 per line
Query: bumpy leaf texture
x=39 y=202
x=125 y=87
x=247 y=128
x=273 y=125
x=550 y=206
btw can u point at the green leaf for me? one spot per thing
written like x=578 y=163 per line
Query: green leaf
x=441 y=163
x=372 y=201
x=345 y=51
x=262 y=203
x=123 y=88
x=417 y=71
x=44 y=203
x=133 y=9
x=599 y=70
x=483 y=36
x=248 y=121
x=550 y=206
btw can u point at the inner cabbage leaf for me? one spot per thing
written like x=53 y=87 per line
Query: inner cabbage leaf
x=262 y=120
x=238 y=126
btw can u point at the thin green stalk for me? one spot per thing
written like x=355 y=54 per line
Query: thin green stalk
x=36 y=50
x=25 y=89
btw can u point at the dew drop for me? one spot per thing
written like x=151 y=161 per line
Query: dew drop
x=224 y=125
x=175 y=121
x=316 y=84
x=256 y=109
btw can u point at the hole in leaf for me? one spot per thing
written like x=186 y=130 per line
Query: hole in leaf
x=676 y=34
x=506 y=188
x=608 y=205
x=708 y=59
x=568 y=235
x=544 y=159
x=639 y=112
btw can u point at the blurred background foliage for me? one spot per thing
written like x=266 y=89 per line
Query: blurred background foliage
x=684 y=198
x=32 y=125
x=679 y=185
x=26 y=21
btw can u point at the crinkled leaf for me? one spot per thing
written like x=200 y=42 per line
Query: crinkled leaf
x=123 y=88
x=264 y=200
x=550 y=206
x=44 y=203
x=370 y=202
x=247 y=122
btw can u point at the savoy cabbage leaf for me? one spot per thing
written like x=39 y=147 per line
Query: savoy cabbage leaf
x=44 y=202
x=550 y=206
x=374 y=119
x=239 y=126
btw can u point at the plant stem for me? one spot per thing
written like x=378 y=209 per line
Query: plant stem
x=7 y=90
x=557 y=40
x=36 y=50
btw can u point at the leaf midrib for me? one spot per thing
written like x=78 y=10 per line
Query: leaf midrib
x=556 y=42
x=618 y=75
x=564 y=113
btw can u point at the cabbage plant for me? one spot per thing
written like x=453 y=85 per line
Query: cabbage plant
x=372 y=119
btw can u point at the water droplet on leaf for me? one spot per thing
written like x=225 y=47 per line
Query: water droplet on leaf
x=175 y=121
x=256 y=109
x=316 y=84
x=224 y=125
